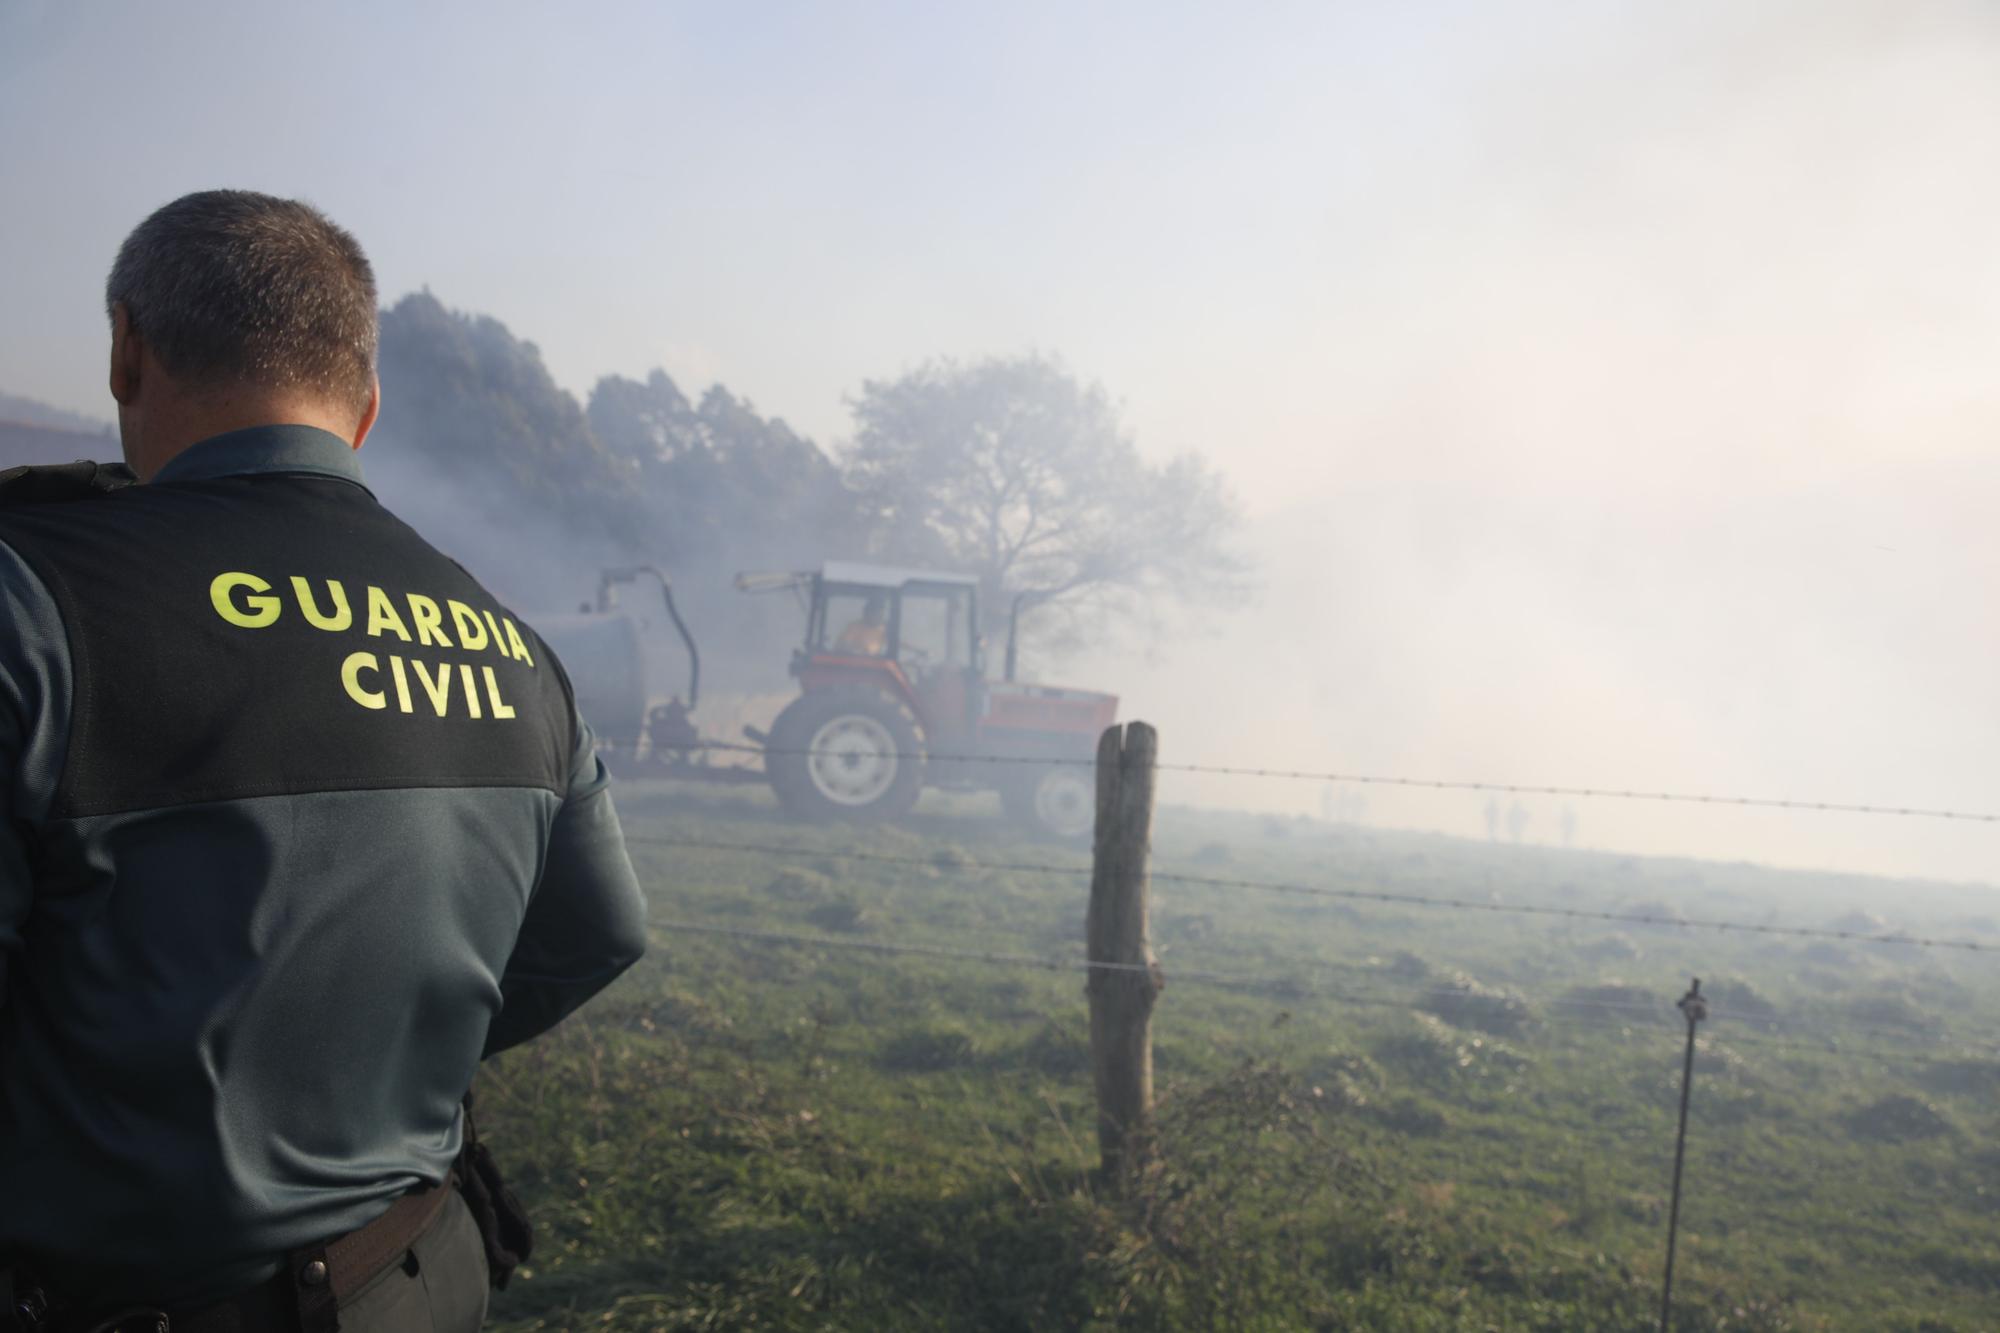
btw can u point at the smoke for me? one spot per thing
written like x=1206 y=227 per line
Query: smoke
x=1645 y=440
x=531 y=559
x=1611 y=385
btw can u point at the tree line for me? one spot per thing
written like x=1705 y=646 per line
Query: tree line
x=1010 y=468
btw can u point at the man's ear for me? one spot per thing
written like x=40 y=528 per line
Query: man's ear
x=127 y=352
x=369 y=413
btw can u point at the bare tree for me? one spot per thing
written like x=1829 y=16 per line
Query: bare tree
x=1014 y=470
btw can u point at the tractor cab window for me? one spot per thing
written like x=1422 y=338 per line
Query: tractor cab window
x=936 y=628
x=856 y=623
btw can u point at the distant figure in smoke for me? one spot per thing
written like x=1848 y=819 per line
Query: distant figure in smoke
x=1517 y=820
x=1492 y=819
x=868 y=636
x=1342 y=805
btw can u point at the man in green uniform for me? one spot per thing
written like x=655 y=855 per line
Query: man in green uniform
x=300 y=824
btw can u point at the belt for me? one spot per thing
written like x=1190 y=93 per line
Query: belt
x=316 y=1280
x=335 y=1271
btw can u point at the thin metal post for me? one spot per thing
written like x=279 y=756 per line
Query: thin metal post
x=1695 y=1006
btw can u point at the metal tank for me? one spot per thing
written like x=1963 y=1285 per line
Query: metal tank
x=605 y=656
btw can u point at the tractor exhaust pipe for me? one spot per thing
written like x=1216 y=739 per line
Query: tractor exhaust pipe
x=1025 y=600
x=1013 y=635
x=632 y=575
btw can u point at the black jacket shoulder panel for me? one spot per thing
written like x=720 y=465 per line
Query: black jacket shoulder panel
x=61 y=483
x=277 y=634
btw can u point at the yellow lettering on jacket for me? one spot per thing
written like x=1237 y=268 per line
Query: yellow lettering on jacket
x=402 y=683
x=471 y=634
x=501 y=708
x=249 y=601
x=382 y=616
x=256 y=611
x=350 y=679
x=343 y=615
x=515 y=648
x=438 y=688
x=471 y=696
x=430 y=620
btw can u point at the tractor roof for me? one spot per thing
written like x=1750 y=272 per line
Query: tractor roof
x=853 y=573
x=887 y=576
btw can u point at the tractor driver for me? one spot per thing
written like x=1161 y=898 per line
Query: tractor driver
x=868 y=636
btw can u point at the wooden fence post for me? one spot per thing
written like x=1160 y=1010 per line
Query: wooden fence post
x=1115 y=930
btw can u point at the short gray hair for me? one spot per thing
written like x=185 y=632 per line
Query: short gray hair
x=232 y=287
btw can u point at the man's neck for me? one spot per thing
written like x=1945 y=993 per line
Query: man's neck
x=167 y=430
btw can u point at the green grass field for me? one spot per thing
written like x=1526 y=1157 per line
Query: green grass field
x=1384 y=1118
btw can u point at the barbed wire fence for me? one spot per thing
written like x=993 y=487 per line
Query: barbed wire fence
x=1379 y=897
x=1131 y=1086
x=1354 y=779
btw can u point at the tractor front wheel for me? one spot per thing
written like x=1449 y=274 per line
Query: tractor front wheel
x=850 y=753
x=1057 y=801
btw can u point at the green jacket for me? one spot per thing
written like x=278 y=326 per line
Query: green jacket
x=299 y=825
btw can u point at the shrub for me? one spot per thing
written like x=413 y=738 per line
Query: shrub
x=842 y=916
x=1735 y=1001
x=1972 y=1077
x=794 y=884
x=1430 y=1052
x=1057 y=1052
x=1897 y=1118
x=1343 y=1080
x=1892 y=1009
x=1610 y=948
x=925 y=1050
x=1464 y=1001
x=1615 y=1004
x=1412 y=1116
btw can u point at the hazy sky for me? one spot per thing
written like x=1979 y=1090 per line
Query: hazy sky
x=1613 y=387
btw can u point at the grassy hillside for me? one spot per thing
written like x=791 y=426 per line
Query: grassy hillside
x=1375 y=1116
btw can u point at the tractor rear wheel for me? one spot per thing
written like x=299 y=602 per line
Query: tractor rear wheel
x=1057 y=801
x=850 y=753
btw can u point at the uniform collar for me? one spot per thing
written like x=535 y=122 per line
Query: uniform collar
x=265 y=449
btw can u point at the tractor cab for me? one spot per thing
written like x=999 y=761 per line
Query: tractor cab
x=912 y=633
x=894 y=697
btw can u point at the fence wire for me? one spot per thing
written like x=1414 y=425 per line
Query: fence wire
x=1374 y=896
x=1377 y=780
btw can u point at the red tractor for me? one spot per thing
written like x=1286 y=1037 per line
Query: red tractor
x=894 y=697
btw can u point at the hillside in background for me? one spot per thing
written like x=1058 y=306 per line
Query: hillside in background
x=33 y=432
x=25 y=443
x=18 y=410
